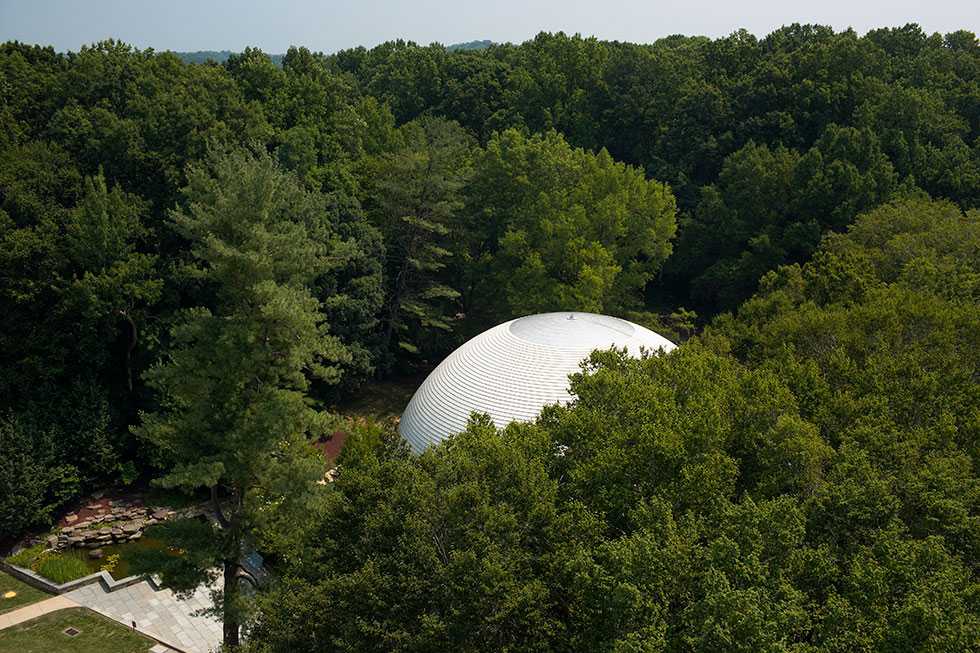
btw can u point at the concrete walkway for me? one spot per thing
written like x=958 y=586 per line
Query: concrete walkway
x=34 y=610
x=42 y=608
x=157 y=613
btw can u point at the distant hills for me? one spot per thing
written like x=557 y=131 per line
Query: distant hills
x=471 y=45
x=221 y=56
x=217 y=56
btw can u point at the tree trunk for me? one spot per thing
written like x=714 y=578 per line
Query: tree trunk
x=394 y=307
x=133 y=335
x=230 y=612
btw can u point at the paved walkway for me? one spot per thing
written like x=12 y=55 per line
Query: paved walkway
x=41 y=608
x=33 y=610
x=158 y=613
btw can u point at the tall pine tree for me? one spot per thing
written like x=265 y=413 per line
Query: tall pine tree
x=234 y=415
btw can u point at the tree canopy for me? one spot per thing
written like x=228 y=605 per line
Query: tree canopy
x=815 y=491
x=197 y=259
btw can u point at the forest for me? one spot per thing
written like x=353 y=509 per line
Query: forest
x=197 y=260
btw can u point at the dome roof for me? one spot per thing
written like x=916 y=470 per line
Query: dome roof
x=513 y=370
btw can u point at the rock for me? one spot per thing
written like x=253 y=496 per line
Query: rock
x=71 y=518
x=98 y=495
x=132 y=526
x=160 y=513
x=75 y=539
x=117 y=531
x=151 y=521
x=52 y=541
x=96 y=554
x=135 y=536
x=93 y=545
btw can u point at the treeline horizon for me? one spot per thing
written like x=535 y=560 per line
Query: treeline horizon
x=185 y=248
x=220 y=56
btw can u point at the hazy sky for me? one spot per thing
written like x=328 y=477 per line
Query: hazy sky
x=329 y=25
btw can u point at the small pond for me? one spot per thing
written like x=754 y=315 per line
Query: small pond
x=124 y=550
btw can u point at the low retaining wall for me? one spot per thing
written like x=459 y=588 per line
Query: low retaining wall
x=109 y=584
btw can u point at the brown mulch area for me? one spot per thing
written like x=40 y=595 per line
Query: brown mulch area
x=332 y=445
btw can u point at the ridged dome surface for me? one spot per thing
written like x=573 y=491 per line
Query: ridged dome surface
x=513 y=370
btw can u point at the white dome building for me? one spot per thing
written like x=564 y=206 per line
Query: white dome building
x=513 y=370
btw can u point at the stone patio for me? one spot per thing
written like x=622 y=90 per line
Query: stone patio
x=158 y=613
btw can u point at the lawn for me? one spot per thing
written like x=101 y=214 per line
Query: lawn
x=97 y=634
x=23 y=594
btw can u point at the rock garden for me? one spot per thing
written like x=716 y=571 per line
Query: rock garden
x=98 y=535
x=120 y=521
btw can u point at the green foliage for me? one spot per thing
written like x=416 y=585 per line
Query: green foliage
x=188 y=555
x=234 y=415
x=61 y=567
x=26 y=557
x=800 y=476
x=118 y=283
x=57 y=567
x=882 y=356
x=817 y=493
x=416 y=194
x=451 y=543
x=551 y=227
x=34 y=480
x=844 y=119
x=743 y=227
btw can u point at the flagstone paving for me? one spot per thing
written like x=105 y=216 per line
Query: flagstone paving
x=158 y=613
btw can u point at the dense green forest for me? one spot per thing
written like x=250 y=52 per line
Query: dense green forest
x=184 y=244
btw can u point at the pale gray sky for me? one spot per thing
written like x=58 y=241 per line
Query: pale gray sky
x=330 y=25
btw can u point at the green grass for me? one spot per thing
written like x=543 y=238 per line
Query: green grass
x=24 y=594
x=98 y=635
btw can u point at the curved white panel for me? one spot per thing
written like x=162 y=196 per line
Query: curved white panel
x=513 y=370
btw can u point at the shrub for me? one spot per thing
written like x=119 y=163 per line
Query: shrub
x=61 y=568
x=111 y=563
